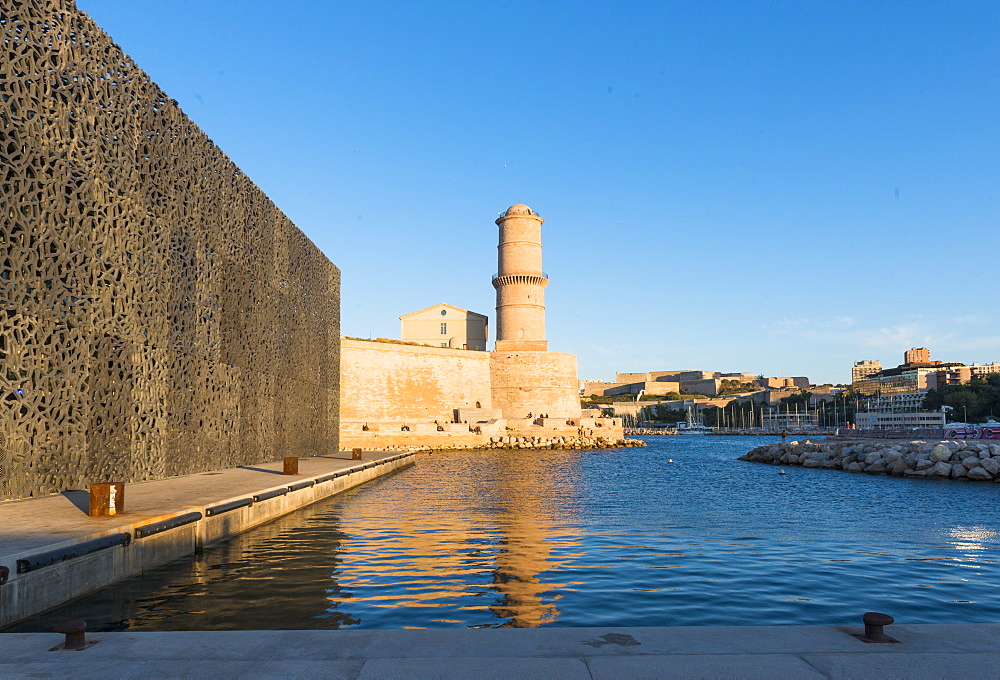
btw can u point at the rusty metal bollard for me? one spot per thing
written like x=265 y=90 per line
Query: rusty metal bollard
x=76 y=633
x=874 y=624
x=291 y=466
x=356 y=454
x=107 y=499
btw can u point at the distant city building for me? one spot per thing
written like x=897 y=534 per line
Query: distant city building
x=789 y=420
x=898 y=403
x=894 y=397
x=445 y=326
x=959 y=375
x=902 y=379
x=983 y=370
x=864 y=369
x=893 y=420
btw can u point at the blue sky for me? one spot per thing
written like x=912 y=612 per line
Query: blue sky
x=776 y=187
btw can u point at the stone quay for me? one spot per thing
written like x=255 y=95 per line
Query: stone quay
x=527 y=443
x=968 y=460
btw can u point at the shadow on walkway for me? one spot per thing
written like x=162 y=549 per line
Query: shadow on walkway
x=273 y=472
x=79 y=498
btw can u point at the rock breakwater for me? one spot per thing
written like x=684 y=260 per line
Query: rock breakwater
x=954 y=459
x=502 y=442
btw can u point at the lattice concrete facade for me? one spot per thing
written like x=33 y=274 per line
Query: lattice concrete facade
x=158 y=314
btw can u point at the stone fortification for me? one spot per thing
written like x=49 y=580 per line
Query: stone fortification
x=407 y=395
x=526 y=378
x=402 y=395
x=160 y=316
x=535 y=383
x=952 y=459
x=526 y=442
x=595 y=387
x=520 y=282
x=649 y=388
x=388 y=382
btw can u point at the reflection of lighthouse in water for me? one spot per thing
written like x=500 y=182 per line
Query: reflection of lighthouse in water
x=475 y=539
x=527 y=533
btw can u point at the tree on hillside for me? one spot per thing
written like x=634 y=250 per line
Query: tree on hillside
x=737 y=387
x=662 y=414
x=976 y=400
x=802 y=398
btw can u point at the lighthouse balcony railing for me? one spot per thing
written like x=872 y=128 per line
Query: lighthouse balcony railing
x=543 y=274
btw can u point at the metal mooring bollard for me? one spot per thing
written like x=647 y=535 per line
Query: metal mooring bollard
x=874 y=625
x=291 y=466
x=107 y=499
x=75 y=631
x=356 y=454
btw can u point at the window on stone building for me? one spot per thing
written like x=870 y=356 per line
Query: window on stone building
x=444 y=329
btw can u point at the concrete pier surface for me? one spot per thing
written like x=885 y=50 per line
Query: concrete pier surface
x=52 y=551
x=924 y=651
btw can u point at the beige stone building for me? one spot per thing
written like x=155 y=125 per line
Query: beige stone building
x=862 y=370
x=397 y=394
x=527 y=378
x=798 y=382
x=445 y=326
x=958 y=374
x=520 y=282
x=917 y=355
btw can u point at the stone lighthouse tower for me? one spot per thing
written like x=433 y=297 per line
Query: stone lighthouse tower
x=525 y=377
x=520 y=282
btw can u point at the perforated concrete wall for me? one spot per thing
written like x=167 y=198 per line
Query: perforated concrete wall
x=158 y=314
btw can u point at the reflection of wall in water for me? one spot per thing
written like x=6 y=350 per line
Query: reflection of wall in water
x=488 y=519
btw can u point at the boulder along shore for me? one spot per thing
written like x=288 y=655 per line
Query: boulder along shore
x=502 y=442
x=969 y=459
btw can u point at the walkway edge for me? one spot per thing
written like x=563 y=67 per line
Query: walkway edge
x=47 y=577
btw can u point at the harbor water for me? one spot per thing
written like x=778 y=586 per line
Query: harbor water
x=617 y=537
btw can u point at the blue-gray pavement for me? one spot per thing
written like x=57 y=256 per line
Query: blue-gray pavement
x=924 y=651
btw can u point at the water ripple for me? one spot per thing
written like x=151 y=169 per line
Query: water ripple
x=588 y=538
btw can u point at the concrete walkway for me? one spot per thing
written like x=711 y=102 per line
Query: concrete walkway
x=51 y=551
x=36 y=523
x=925 y=651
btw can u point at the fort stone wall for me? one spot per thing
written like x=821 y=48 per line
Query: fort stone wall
x=391 y=382
x=535 y=382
